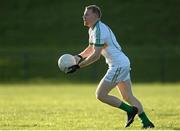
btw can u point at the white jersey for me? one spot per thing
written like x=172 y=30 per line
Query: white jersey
x=101 y=35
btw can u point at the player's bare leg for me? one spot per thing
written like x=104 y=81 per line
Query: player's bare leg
x=102 y=94
x=126 y=91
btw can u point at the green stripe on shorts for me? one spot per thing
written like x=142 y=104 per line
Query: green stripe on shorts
x=116 y=75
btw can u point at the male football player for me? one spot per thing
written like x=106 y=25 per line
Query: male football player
x=103 y=41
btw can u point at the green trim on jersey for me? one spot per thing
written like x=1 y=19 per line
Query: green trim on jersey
x=112 y=38
x=99 y=45
x=95 y=24
x=98 y=34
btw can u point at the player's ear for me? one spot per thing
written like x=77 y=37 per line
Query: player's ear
x=97 y=17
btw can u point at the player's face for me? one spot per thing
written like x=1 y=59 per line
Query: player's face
x=89 y=18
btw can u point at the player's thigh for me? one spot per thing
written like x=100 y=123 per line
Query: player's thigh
x=104 y=87
x=125 y=89
x=113 y=76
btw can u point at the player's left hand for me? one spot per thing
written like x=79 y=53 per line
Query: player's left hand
x=78 y=58
x=72 y=69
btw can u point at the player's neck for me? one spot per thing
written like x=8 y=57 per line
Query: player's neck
x=94 y=23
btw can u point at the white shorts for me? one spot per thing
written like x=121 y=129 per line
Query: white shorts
x=117 y=74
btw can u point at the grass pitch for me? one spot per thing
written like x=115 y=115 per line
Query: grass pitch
x=73 y=106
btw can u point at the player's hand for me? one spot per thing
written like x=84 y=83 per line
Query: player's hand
x=78 y=58
x=72 y=69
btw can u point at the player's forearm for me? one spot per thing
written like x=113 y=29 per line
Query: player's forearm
x=87 y=52
x=89 y=60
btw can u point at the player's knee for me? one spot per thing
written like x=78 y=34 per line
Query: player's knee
x=100 y=96
x=128 y=98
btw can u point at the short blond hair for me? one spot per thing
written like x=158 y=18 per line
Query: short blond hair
x=95 y=9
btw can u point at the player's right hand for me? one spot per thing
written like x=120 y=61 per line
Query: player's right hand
x=72 y=69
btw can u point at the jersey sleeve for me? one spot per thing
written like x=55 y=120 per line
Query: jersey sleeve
x=99 y=36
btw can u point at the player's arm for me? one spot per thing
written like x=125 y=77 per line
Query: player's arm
x=89 y=60
x=98 y=41
x=84 y=54
x=92 y=57
x=87 y=52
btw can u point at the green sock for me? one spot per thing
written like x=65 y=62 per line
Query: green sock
x=144 y=118
x=125 y=107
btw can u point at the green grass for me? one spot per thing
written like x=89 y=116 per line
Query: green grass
x=73 y=106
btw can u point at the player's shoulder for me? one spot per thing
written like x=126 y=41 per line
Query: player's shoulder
x=101 y=27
